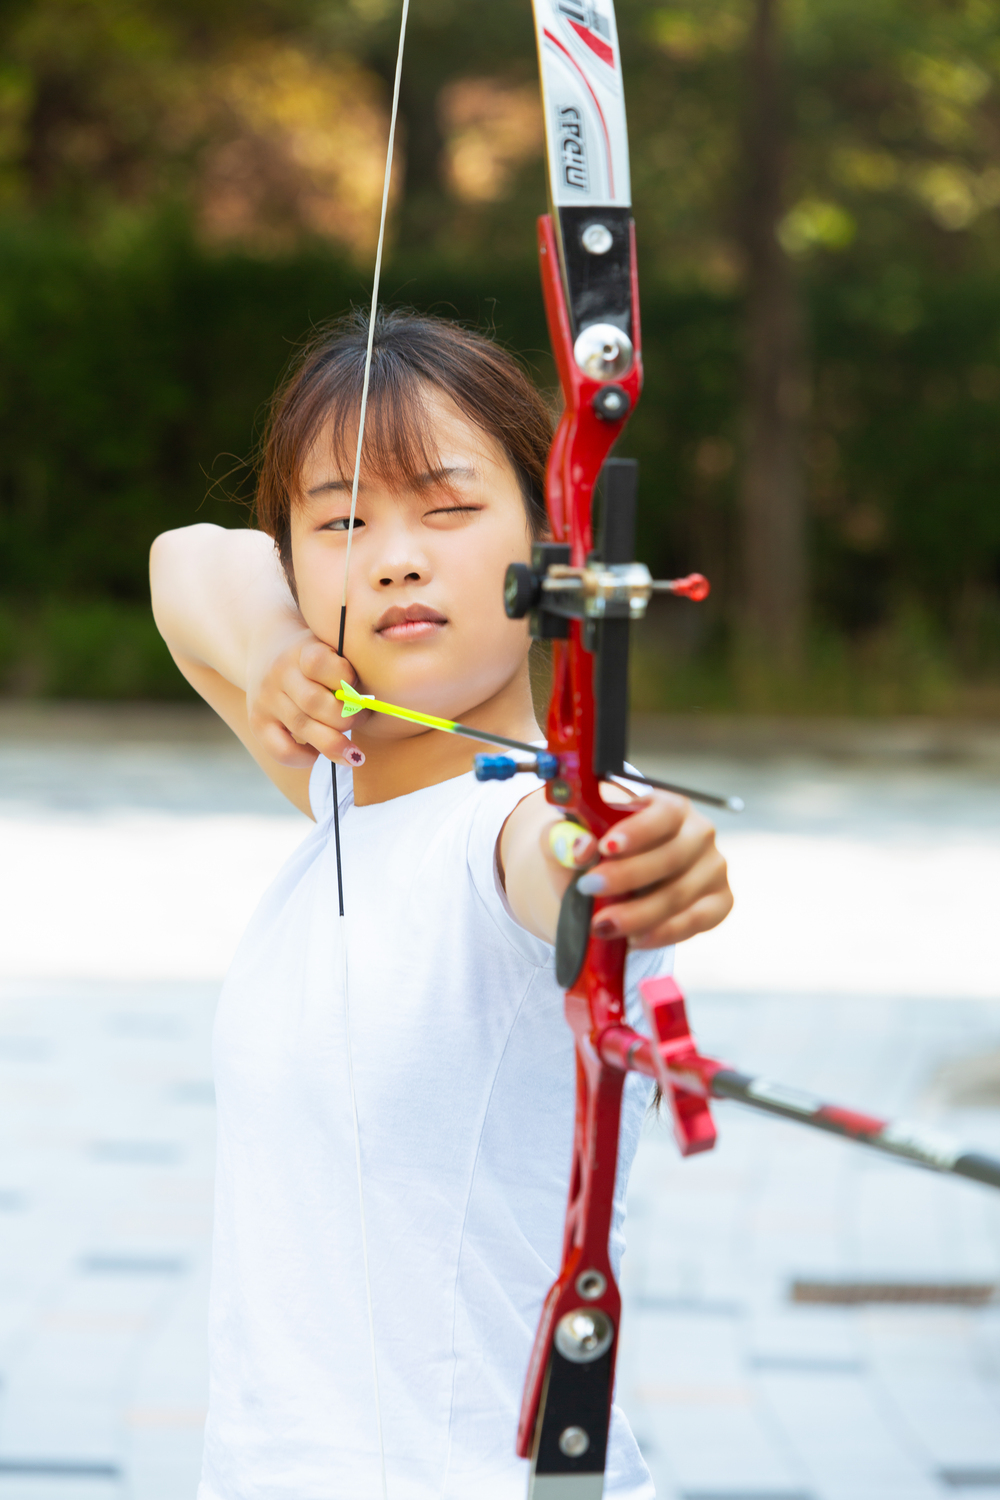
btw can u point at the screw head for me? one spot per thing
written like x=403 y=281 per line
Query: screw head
x=611 y=403
x=597 y=239
x=584 y=1335
x=603 y=351
x=574 y=1442
x=590 y=1285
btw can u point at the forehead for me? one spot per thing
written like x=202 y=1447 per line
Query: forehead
x=409 y=435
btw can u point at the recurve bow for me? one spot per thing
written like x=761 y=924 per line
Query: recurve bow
x=580 y=592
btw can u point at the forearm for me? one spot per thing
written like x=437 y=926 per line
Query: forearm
x=213 y=591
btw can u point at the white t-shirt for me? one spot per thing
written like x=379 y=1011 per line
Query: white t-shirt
x=464 y=1073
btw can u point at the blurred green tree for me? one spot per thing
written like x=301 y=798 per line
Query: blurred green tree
x=782 y=149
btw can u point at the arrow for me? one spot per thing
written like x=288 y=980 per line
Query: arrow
x=500 y=768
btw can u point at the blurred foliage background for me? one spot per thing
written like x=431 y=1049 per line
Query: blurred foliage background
x=188 y=186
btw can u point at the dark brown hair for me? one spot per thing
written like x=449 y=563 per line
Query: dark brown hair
x=409 y=350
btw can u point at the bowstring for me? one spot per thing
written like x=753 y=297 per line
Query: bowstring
x=386 y=183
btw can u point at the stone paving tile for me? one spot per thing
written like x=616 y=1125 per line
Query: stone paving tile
x=956 y=1418
x=694 y=1411
x=846 y=1440
x=17 y=1485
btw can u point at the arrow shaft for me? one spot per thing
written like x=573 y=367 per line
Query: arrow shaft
x=431 y=721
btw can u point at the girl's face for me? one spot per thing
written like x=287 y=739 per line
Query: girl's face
x=425 y=620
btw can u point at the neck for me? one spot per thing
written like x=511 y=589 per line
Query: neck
x=397 y=763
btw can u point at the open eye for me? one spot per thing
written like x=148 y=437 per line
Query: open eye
x=343 y=523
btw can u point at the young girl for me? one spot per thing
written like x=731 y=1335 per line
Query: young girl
x=437 y=990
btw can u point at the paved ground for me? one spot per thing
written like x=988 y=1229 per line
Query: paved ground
x=861 y=962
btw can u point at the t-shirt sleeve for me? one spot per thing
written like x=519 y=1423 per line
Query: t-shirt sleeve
x=494 y=803
x=321 y=787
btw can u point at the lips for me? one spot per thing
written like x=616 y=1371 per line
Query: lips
x=414 y=622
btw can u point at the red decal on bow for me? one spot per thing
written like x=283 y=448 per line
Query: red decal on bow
x=595 y=43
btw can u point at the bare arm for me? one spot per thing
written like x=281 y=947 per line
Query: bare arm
x=223 y=607
x=661 y=861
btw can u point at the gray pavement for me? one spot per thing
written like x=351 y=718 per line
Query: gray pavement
x=737 y=1388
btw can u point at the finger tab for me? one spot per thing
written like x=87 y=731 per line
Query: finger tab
x=567 y=841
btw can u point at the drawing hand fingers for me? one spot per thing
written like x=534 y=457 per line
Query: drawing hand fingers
x=277 y=741
x=321 y=664
x=292 y=736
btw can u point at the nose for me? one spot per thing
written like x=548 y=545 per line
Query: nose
x=401 y=558
x=404 y=573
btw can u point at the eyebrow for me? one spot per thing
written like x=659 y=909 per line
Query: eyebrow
x=422 y=481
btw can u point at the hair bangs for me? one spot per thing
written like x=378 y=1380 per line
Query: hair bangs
x=321 y=401
x=398 y=449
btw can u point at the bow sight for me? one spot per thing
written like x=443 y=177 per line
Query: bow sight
x=605 y=594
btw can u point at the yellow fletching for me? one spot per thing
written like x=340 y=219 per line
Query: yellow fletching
x=354 y=702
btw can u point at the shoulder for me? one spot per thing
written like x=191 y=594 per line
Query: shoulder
x=494 y=808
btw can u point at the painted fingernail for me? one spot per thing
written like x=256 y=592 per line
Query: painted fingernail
x=605 y=929
x=592 y=884
x=353 y=757
x=612 y=843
